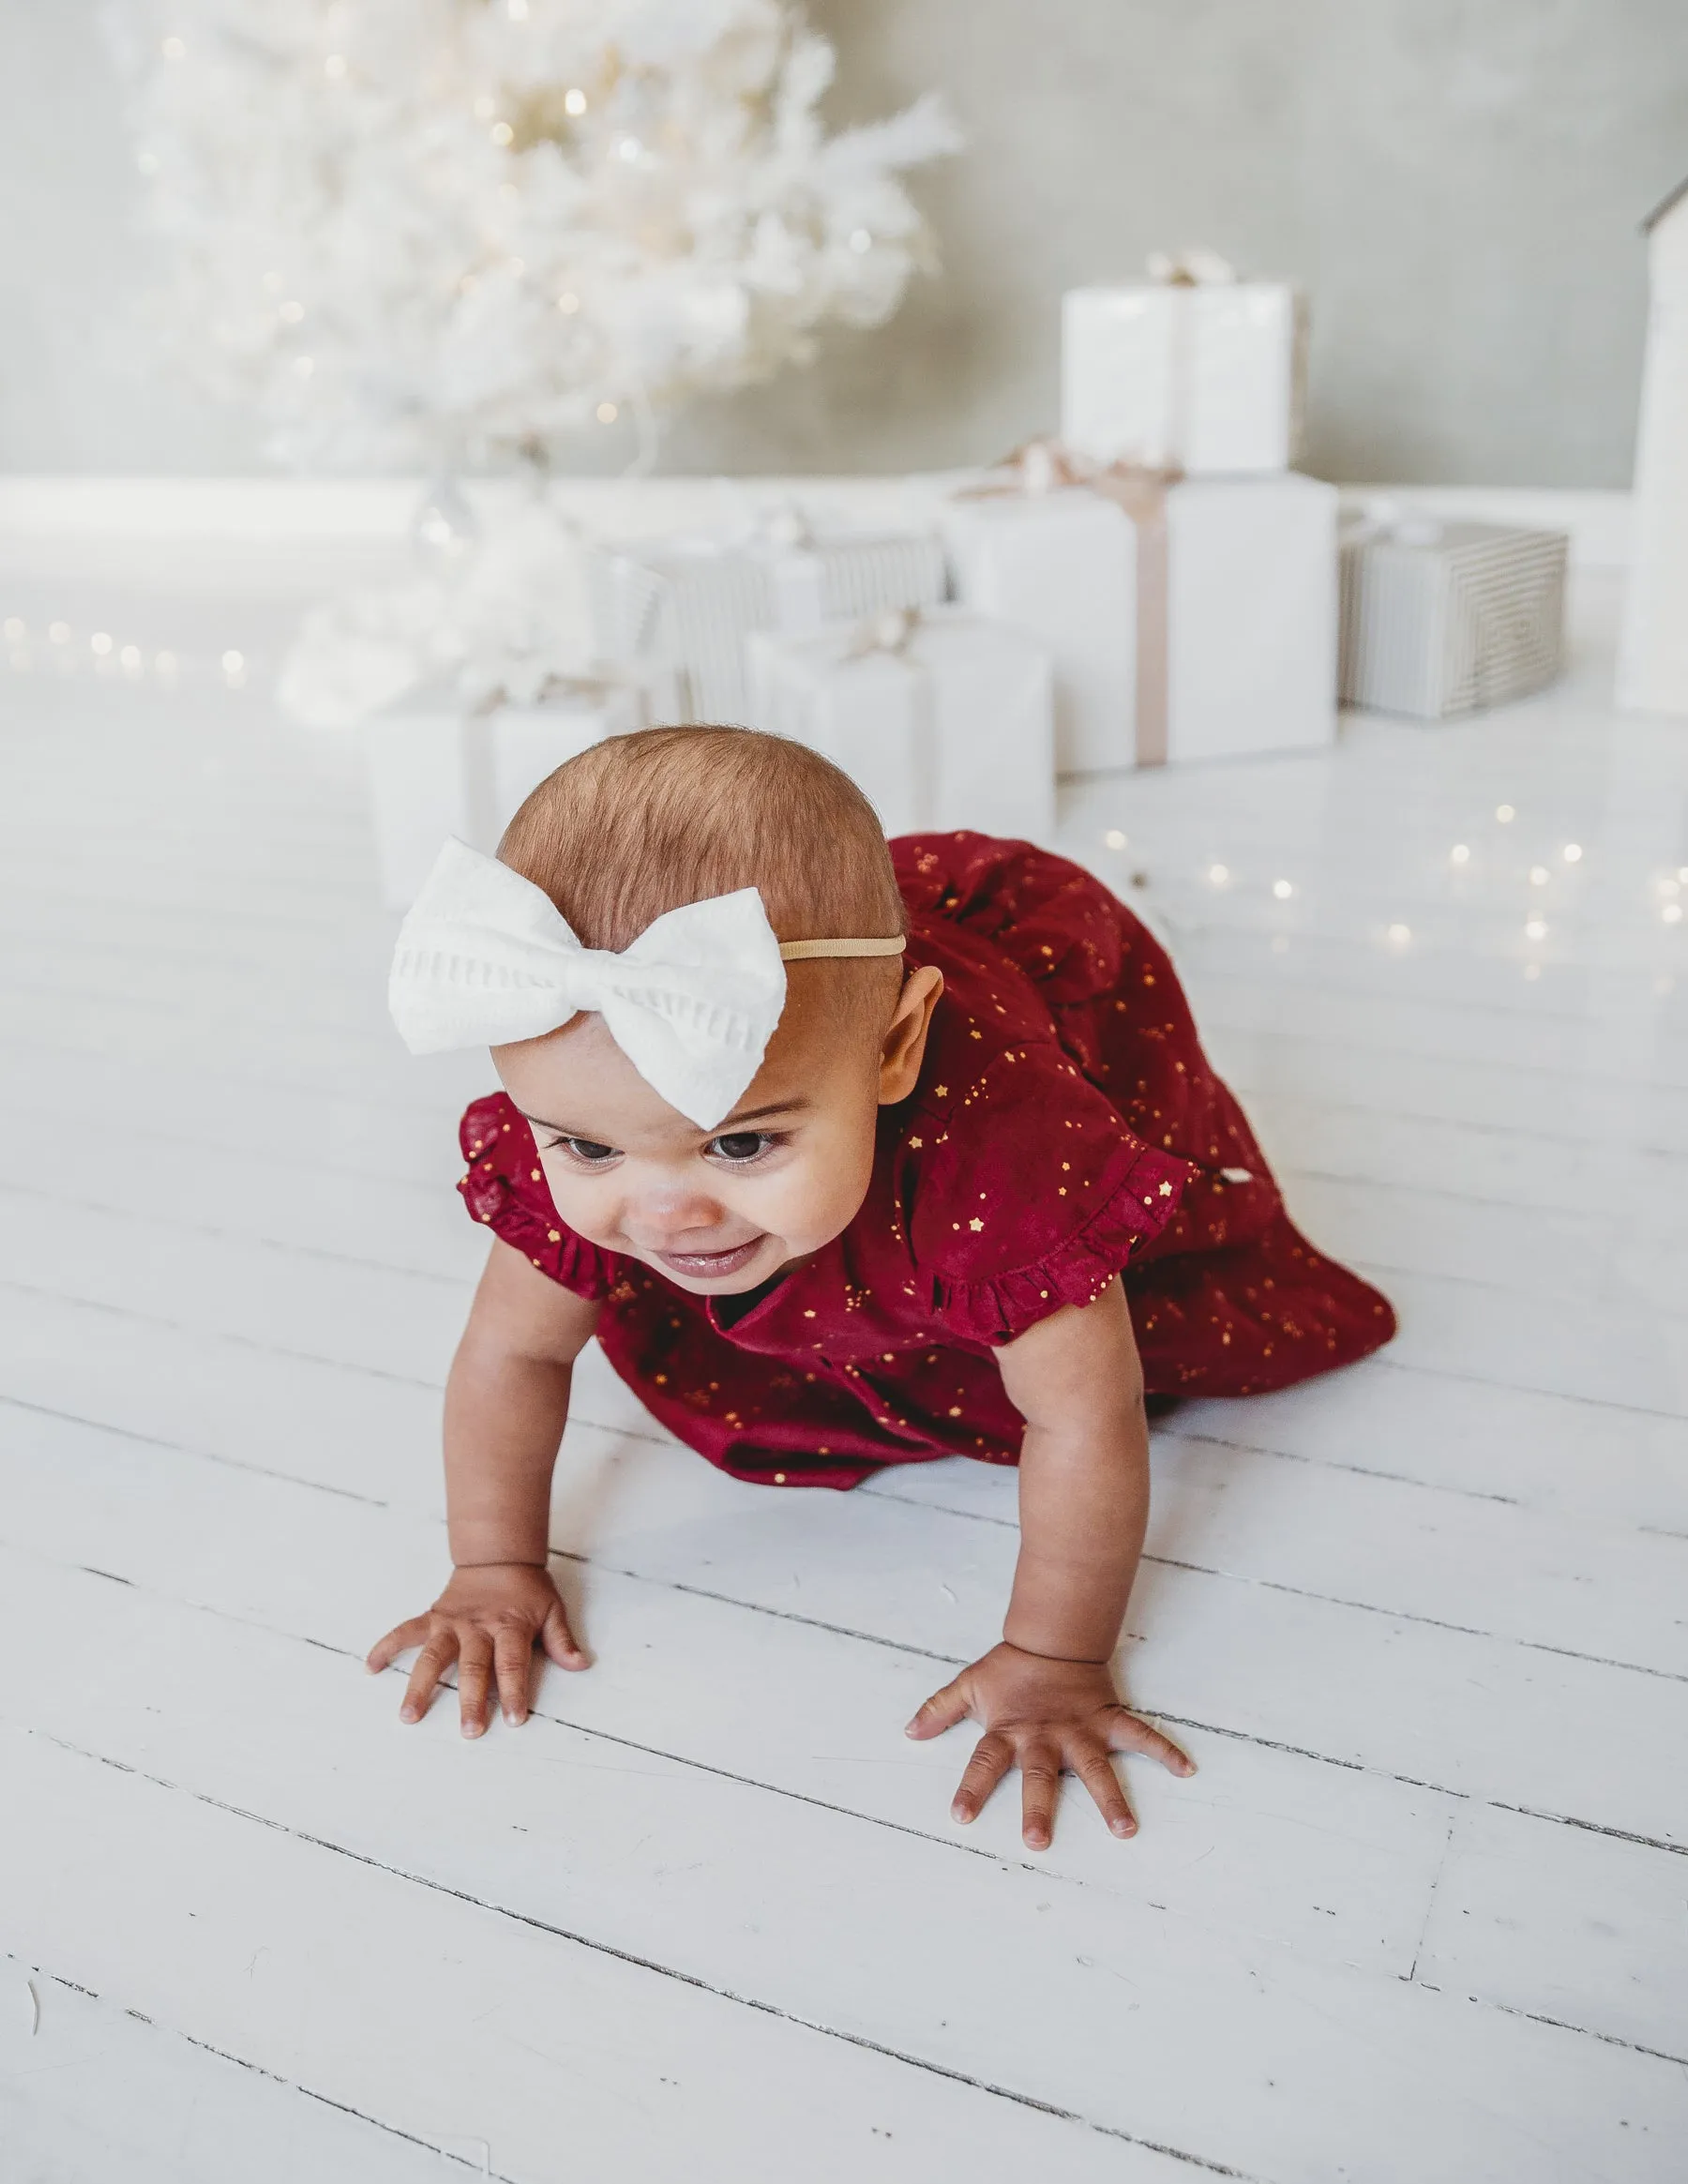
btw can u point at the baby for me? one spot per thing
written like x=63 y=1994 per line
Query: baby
x=849 y=1153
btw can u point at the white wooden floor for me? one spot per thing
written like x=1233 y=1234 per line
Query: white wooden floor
x=1420 y=1918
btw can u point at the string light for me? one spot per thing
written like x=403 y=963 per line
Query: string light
x=1672 y=913
x=16 y=631
x=574 y=101
x=568 y=303
x=861 y=240
x=175 y=49
x=1572 y=852
x=234 y=667
x=501 y=133
x=1538 y=875
x=607 y=412
x=629 y=149
x=99 y=643
x=1682 y=874
x=1535 y=929
x=292 y=310
x=165 y=666
x=59 y=632
x=1399 y=935
x=1460 y=854
x=1282 y=889
x=1218 y=874
x=1114 y=840
x=1505 y=814
x=130 y=656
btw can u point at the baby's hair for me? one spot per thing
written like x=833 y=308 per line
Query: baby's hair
x=638 y=824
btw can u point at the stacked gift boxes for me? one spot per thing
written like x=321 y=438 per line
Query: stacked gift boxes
x=440 y=767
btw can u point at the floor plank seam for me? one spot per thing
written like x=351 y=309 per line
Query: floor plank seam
x=1610 y=2038
x=1328 y=1598
x=258 y=2070
x=1441 y=1864
x=151 y=1441
x=647 y=1964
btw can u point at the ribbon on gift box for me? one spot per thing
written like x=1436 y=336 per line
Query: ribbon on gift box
x=1044 y=466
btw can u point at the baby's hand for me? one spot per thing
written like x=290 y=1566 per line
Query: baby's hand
x=1043 y=1716
x=487 y=1620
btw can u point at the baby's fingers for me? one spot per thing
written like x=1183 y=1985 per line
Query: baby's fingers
x=942 y=1711
x=1094 y=1770
x=399 y=1640
x=1126 y=1733
x=513 y=1664
x=474 y=1674
x=558 y=1640
x=431 y=1664
x=993 y=1755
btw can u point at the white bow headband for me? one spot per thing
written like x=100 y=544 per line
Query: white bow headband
x=485 y=959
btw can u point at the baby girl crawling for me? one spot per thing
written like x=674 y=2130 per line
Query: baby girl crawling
x=849 y=1153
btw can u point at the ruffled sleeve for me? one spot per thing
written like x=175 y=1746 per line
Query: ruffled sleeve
x=504 y=1185
x=1030 y=1193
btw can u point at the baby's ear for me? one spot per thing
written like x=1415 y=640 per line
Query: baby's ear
x=904 y=1047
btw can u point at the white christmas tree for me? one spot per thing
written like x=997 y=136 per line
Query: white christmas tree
x=455 y=231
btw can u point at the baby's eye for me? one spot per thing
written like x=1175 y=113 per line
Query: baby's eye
x=587 y=1151
x=739 y=1146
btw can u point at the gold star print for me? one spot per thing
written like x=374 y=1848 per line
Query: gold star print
x=916 y=1143
x=941 y=1090
x=1166 y=1190
x=975 y=1224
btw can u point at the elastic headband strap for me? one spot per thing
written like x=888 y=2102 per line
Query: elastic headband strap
x=808 y=951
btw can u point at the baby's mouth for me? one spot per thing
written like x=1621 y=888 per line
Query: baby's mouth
x=703 y=1265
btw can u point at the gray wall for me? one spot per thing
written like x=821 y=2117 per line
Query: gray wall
x=1457 y=182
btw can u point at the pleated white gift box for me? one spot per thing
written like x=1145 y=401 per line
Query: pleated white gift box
x=687 y=604
x=1207 y=378
x=943 y=718
x=1201 y=626
x=439 y=766
x=1439 y=619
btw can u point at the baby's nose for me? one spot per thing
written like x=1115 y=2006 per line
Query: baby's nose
x=665 y=1219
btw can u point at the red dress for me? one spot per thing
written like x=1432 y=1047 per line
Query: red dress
x=1066 y=1127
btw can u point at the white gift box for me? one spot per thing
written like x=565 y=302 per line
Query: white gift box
x=1440 y=619
x=687 y=604
x=1206 y=377
x=944 y=720
x=439 y=767
x=1200 y=624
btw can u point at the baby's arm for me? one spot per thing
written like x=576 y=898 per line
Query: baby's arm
x=507 y=1403
x=1046 y=1695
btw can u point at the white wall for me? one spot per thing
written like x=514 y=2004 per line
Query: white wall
x=1457 y=181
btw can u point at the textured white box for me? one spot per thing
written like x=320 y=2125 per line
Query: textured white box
x=687 y=604
x=1251 y=616
x=1250 y=633
x=1440 y=619
x=1207 y=379
x=1061 y=565
x=954 y=730
x=437 y=769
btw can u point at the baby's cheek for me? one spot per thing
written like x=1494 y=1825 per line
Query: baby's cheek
x=820 y=1197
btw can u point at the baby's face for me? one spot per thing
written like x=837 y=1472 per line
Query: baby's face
x=717 y=1212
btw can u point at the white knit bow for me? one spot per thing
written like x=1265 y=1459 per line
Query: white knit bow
x=485 y=959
